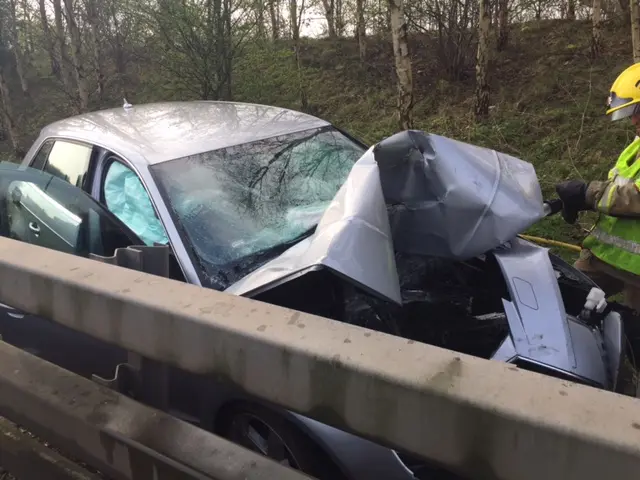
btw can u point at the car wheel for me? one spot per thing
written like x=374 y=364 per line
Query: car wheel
x=263 y=431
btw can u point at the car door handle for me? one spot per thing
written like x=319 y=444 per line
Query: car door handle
x=34 y=227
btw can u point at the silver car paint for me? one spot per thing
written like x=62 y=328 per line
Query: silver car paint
x=158 y=132
x=540 y=329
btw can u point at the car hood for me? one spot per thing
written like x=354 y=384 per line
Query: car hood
x=415 y=193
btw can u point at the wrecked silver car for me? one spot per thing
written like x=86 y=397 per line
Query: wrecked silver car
x=441 y=218
x=416 y=236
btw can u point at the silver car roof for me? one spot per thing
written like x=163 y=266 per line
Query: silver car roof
x=157 y=132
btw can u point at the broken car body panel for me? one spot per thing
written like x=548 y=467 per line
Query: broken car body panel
x=541 y=331
x=352 y=239
x=425 y=194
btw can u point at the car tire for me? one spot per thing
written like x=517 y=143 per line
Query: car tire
x=240 y=421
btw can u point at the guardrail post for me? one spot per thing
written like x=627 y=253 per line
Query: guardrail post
x=145 y=379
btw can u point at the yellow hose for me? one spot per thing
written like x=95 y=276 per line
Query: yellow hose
x=545 y=241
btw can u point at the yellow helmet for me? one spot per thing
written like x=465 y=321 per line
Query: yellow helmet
x=625 y=94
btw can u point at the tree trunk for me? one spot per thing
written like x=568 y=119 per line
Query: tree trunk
x=93 y=20
x=28 y=28
x=625 y=9
x=259 y=6
x=17 y=49
x=227 y=92
x=76 y=56
x=62 y=48
x=361 y=29
x=273 y=13
x=339 y=18
x=49 y=41
x=635 y=30
x=119 y=53
x=293 y=19
x=571 y=9
x=596 y=33
x=403 y=64
x=7 y=114
x=482 y=61
x=503 y=24
x=329 y=10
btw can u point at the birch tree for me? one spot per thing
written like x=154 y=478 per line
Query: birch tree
x=7 y=112
x=76 y=55
x=274 y=8
x=93 y=19
x=503 y=24
x=596 y=33
x=329 y=12
x=482 y=60
x=16 y=48
x=49 y=42
x=635 y=30
x=403 y=64
x=361 y=29
x=61 y=48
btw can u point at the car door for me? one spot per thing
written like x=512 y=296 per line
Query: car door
x=41 y=209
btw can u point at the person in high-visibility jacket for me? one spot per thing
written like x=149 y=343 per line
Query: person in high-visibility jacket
x=611 y=252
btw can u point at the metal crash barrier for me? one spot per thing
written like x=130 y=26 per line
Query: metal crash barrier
x=484 y=419
x=114 y=434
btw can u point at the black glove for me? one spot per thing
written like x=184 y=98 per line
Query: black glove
x=573 y=194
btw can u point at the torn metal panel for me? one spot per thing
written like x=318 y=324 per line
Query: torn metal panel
x=352 y=239
x=453 y=199
x=541 y=330
x=413 y=193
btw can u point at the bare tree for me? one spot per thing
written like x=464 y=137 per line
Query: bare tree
x=76 y=55
x=453 y=23
x=93 y=19
x=330 y=11
x=201 y=40
x=596 y=34
x=274 y=8
x=503 y=24
x=571 y=9
x=482 y=61
x=117 y=26
x=61 y=45
x=339 y=20
x=27 y=12
x=16 y=48
x=7 y=113
x=361 y=29
x=403 y=64
x=259 y=10
x=295 y=18
x=49 y=42
x=635 y=29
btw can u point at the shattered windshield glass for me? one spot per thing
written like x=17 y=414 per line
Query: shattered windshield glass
x=241 y=206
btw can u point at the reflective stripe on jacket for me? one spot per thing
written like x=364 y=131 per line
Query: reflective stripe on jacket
x=616 y=236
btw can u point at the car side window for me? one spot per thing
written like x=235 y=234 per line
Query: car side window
x=125 y=196
x=43 y=210
x=40 y=159
x=67 y=160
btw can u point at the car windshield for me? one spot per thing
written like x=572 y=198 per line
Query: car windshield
x=238 y=207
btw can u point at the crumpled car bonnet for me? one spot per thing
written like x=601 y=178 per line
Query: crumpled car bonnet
x=415 y=193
